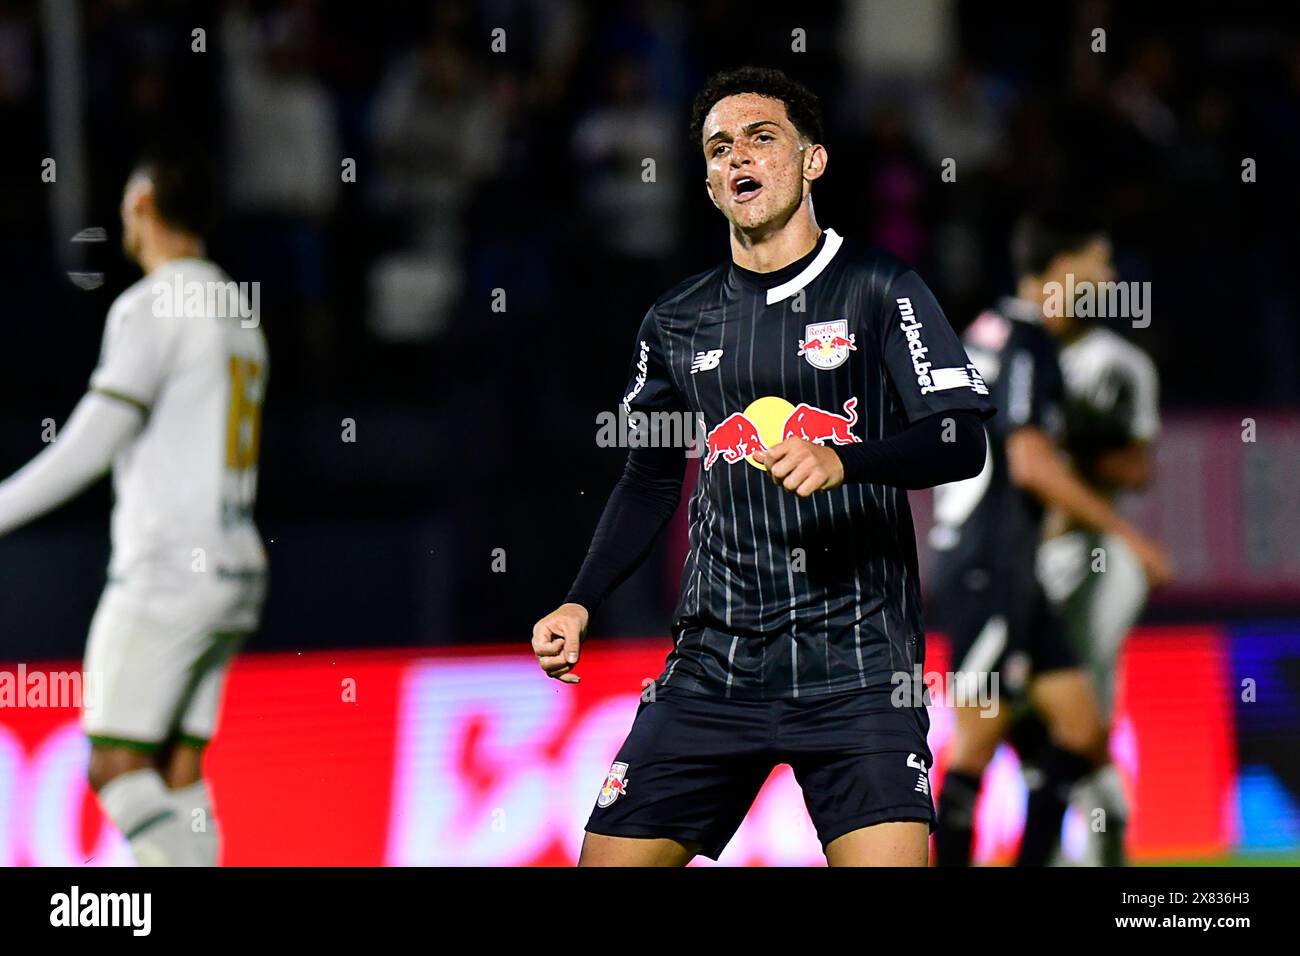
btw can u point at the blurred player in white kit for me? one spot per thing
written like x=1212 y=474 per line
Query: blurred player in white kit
x=174 y=407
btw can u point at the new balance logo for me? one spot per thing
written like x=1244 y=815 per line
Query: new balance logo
x=922 y=780
x=706 y=361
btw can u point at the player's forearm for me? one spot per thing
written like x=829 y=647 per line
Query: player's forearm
x=84 y=450
x=935 y=450
x=1055 y=483
x=639 y=507
x=1128 y=467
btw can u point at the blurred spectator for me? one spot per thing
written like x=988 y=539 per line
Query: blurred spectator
x=1140 y=93
x=895 y=188
x=283 y=140
x=283 y=175
x=436 y=136
x=611 y=145
x=958 y=120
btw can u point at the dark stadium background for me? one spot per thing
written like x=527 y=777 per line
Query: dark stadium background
x=520 y=171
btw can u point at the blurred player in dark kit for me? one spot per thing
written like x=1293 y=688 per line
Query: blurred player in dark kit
x=986 y=537
x=1112 y=416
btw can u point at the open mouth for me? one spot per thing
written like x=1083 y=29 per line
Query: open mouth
x=745 y=188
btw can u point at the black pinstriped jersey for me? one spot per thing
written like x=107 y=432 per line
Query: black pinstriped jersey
x=784 y=596
x=985 y=526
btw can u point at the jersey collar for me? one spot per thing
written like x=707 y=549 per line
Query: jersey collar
x=789 y=279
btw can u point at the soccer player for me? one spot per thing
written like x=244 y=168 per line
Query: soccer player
x=175 y=407
x=986 y=535
x=1112 y=416
x=829 y=382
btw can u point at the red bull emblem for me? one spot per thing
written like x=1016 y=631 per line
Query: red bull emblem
x=816 y=425
x=734 y=438
x=740 y=435
x=826 y=345
x=615 y=785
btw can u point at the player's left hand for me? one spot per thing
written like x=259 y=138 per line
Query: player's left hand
x=802 y=466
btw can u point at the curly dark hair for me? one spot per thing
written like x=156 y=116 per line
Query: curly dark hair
x=801 y=104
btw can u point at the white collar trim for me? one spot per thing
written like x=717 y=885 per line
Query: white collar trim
x=786 y=289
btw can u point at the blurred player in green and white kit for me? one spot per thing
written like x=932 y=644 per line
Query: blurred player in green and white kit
x=1098 y=584
x=174 y=407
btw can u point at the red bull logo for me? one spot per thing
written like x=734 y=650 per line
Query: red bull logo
x=742 y=434
x=816 y=425
x=615 y=785
x=827 y=345
x=734 y=439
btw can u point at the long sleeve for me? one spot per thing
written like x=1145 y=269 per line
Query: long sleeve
x=639 y=507
x=943 y=447
x=97 y=429
x=647 y=494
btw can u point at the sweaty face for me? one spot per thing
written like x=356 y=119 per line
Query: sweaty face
x=755 y=160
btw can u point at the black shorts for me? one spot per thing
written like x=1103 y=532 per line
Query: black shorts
x=693 y=764
x=1003 y=626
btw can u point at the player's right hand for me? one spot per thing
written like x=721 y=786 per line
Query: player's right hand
x=1153 y=557
x=557 y=641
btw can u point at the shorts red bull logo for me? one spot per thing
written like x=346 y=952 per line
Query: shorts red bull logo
x=615 y=785
x=770 y=420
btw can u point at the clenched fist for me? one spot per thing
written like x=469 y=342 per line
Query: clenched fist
x=802 y=466
x=557 y=641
